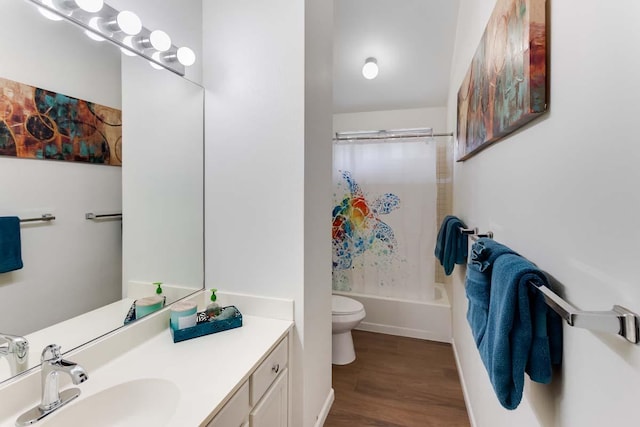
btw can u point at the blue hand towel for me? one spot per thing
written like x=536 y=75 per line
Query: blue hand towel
x=455 y=248
x=10 y=249
x=441 y=239
x=451 y=245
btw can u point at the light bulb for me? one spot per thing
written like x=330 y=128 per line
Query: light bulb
x=186 y=56
x=47 y=13
x=129 y=22
x=95 y=23
x=156 y=56
x=127 y=52
x=160 y=40
x=91 y=6
x=128 y=41
x=370 y=69
x=93 y=36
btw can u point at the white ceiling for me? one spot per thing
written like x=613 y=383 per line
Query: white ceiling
x=411 y=39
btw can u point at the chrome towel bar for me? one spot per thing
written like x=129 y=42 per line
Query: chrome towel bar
x=473 y=233
x=94 y=216
x=619 y=320
x=44 y=217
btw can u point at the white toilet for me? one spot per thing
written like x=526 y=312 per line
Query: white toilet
x=346 y=314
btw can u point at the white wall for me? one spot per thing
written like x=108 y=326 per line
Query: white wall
x=317 y=203
x=70 y=265
x=267 y=73
x=564 y=193
x=435 y=118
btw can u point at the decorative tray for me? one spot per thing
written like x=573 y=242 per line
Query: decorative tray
x=206 y=327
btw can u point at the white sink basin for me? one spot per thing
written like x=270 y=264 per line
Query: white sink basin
x=143 y=402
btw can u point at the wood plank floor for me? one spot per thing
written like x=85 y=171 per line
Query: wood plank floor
x=397 y=382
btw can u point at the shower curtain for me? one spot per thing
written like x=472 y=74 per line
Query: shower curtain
x=384 y=218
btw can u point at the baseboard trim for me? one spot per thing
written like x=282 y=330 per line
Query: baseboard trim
x=322 y=416
x=465 y=392
x=403 y=332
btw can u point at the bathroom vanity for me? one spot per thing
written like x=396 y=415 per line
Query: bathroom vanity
x=139 y=376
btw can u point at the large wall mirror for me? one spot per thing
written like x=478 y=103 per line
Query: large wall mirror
x=75 y=268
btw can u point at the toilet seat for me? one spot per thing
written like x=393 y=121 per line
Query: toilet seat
x=342 y=305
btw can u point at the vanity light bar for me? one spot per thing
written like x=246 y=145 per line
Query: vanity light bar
x=103 y=24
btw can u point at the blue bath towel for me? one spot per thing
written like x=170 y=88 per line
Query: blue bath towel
x=451 y=245
x=483 y=254
x=513 y=328
x=10 y=249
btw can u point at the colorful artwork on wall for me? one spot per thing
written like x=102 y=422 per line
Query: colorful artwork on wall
x=39 y=124
x=505 y=86
x=357 y=227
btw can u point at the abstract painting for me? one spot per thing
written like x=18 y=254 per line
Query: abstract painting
x=40 y=124
x=505 y=86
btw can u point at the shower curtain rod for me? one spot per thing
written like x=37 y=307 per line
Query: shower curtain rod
x=388 y=134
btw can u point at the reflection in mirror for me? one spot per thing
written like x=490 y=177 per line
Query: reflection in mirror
x=80 y=277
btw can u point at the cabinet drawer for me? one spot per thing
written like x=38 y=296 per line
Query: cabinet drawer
x=268 y=370
x=234 y=413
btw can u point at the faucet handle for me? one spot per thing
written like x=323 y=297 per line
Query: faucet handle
x=54 y=349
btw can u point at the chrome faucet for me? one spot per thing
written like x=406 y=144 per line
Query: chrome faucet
x=16 y=351
x=52 y=398
x=51 y=366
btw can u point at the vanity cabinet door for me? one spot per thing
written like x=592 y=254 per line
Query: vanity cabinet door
x=234 y=412
x=271 y=411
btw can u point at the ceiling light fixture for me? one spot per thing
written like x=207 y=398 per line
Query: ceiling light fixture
x=370 y=68
x=123 y=28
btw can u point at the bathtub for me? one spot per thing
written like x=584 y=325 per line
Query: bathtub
x=429 y=320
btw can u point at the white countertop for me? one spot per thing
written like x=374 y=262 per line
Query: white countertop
x=74 y=332
x=83 y=328
x=207 y=370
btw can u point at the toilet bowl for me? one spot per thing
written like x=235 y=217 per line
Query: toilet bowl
x=346 y=314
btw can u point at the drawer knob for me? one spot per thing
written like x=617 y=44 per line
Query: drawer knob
x=276 y=368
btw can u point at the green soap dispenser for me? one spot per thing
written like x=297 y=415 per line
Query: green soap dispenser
x=213 y=309
x=159 y=288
